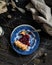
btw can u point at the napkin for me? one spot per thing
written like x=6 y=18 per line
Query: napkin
x=15 y=6
x=39 y=6
x=3 y=7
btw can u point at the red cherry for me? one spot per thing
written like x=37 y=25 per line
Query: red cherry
x=25 y=39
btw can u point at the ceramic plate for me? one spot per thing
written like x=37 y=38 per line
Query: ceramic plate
x=34 y=39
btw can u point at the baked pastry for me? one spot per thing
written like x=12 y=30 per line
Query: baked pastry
x=23 y=32
x=21 y=45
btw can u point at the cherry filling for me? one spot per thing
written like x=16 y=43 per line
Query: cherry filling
x=25 y=39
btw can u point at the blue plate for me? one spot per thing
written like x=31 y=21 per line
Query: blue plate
x=34 y=39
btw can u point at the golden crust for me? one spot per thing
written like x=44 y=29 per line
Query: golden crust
x=21 y=45
x=23 y=33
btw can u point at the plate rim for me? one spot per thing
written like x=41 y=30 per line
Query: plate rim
x=18 y=27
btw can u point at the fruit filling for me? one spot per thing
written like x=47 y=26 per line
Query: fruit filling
x=25 y=39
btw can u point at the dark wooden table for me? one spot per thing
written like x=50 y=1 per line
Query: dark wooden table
x=7 y=55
